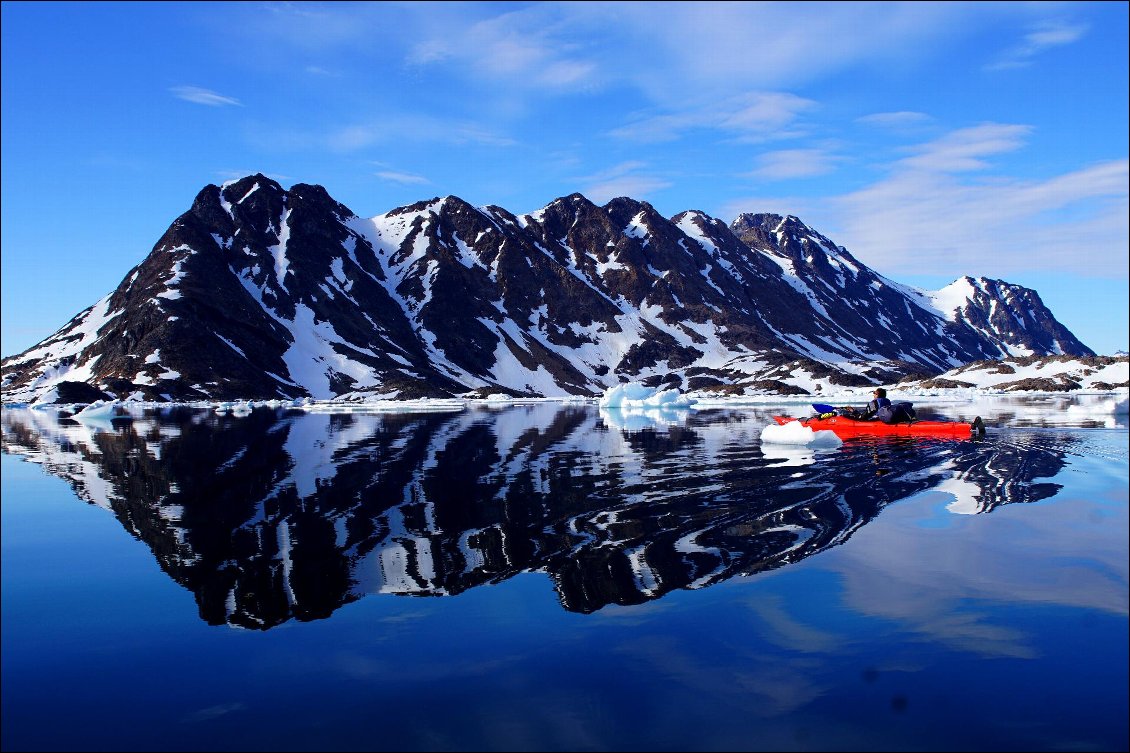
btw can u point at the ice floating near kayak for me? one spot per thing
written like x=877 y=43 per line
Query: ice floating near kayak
x=636 y=395
x=795 y=433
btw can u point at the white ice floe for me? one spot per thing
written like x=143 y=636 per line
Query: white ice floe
x=236 y=408
x=97 y=413
x=634 y=407
x=796 y=433
x=636 y=395
x=421 y=405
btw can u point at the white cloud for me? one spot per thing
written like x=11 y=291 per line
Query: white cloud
x=624 y=179
x=765 y=114
x=202 y=96
x=430 y=51
x=932 y=222
x=754 y=116
x=567 y=73
x=1044 y=37
x=634 y=186
x=529 y=49
x=416 y=129
x=898 y=119
x=965 y=149
x=945 y=211
x=668 y=51
x=794 y=163
x=681 y=52
x=403 y=178
x=712 y=49
x=677 y=57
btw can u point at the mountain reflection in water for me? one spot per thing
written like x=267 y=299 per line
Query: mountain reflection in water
x=289 y=515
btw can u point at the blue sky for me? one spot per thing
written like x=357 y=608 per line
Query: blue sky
x=933 y=140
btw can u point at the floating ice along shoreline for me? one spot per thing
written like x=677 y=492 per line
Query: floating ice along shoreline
x=1048 y=405
x=98 y=414
x=636 y=395
x=634 y=407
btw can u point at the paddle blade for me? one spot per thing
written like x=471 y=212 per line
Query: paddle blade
x=823 y=408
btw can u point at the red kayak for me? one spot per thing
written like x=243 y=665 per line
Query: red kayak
x=850 y=427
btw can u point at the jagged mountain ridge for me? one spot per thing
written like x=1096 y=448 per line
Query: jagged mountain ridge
x=261 y=292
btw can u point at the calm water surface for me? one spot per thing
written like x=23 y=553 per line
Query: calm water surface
x=554 y=577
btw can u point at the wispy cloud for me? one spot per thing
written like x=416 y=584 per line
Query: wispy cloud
x=203 y=96
x=416 y=129
x=625 y=179
x=402 y=178
x=718 y=48
x=1044 y=37
x=946 y=210
x=755 y=116
x=794 y=163
x=967 y=148
x=900 y=119
x=689 y=50
x=933 y=222
x=529 y=49
x=765 y=112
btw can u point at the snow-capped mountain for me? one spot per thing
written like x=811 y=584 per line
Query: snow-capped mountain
x=261 y=292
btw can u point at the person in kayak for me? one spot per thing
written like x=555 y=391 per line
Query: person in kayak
x=869 y=413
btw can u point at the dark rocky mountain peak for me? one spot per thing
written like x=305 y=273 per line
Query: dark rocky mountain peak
x=258 y=291
x=1012 y=316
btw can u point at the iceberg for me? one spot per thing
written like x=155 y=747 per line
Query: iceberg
x=636 y=395
x=98 y=415
x=634 y=407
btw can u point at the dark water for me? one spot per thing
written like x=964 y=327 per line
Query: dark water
x=549 y=577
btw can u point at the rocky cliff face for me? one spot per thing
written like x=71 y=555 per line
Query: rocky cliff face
x=262 y=292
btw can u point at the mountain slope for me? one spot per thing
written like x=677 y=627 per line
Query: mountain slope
x=261 y=292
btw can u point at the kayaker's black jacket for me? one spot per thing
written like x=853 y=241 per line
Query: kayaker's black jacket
x=873 y=408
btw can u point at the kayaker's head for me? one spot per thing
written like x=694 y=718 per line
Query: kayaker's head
x=880 y=392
